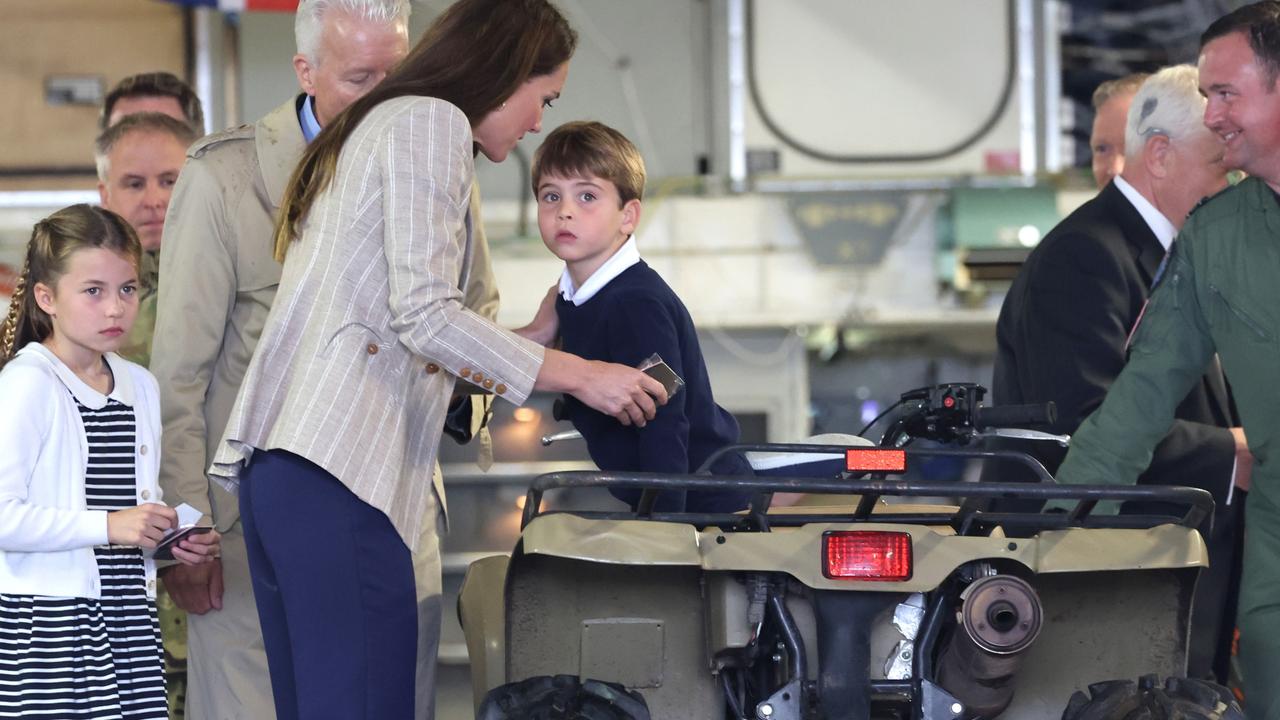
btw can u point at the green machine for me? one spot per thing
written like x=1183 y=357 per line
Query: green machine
x=985 y=233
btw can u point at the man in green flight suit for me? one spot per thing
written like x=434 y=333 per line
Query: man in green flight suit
x=1220 y=293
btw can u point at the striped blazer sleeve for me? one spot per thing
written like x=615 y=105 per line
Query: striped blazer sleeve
x=426 y=188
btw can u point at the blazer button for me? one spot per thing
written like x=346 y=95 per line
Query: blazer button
x=371 y=348
x=488 y=383
x=432 y=368
x=500 y=389
x=465 y=372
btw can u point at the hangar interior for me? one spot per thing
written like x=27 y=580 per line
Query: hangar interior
x=839 y=191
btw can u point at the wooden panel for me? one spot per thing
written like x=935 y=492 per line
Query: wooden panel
x=111 y=40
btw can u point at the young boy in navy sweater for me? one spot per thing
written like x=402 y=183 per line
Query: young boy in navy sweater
x=588 y=179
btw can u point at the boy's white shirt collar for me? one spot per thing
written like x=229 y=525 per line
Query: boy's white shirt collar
x=625 y=257
x=90 y=398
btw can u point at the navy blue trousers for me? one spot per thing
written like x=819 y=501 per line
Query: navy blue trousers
x=335 y=592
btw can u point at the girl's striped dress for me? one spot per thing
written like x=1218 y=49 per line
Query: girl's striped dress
x=83 y=658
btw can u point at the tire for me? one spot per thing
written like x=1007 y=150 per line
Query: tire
x=1177 y=699
x=562 y=697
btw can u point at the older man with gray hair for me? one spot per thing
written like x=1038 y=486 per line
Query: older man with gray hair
x=220 y=281
x=1064 y=327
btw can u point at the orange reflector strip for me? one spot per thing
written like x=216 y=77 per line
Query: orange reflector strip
x=866 y=555
x=875 y=460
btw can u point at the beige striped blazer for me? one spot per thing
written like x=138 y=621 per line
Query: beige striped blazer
x=358 y=357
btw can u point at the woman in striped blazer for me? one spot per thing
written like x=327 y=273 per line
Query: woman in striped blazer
x=333 y=438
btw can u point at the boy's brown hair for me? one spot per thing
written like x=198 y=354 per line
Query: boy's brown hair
x=588 y=148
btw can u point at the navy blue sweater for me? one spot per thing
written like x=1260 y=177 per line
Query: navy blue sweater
x=634 y=316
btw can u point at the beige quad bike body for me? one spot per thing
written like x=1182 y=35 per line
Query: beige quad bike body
x=888 y=599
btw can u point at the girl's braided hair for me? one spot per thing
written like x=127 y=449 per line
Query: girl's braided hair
x=53 y=240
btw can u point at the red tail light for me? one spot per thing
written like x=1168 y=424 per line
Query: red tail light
x=866 y=555
x=875 y=460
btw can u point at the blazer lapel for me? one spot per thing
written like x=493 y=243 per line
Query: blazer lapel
x=1147 y=250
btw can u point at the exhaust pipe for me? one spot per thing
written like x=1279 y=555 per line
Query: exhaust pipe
x=1000 y=617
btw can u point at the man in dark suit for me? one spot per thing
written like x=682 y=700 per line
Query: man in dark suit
x=1064 y=327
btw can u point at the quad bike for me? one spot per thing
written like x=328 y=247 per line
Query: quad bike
x=905 y=599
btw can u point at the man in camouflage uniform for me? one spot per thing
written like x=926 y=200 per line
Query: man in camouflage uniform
x=1219 y=294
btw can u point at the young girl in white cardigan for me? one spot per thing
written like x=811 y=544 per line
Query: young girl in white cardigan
x=79 y=500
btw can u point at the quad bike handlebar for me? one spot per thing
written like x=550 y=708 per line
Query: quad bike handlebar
x=946 y=413
x=953 y=413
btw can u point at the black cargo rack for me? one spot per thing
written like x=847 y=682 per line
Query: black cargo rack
x=970 y=517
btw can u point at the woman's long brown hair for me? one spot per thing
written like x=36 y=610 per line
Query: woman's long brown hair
x=475 y=56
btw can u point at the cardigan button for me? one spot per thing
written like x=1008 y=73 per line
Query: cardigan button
x=371 y=348
x=432 y=368
x=500 y=389
x=477 y=378
x=488 y=383
x=465 y=373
